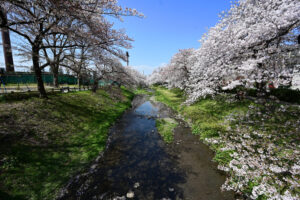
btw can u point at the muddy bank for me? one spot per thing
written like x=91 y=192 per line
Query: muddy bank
x=137 y=164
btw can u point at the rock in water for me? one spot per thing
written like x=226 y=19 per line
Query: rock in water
x=130 y=195
x=136 y=185
x=120 y=198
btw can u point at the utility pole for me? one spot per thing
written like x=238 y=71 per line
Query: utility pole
x=127 y=58
x=9 y=63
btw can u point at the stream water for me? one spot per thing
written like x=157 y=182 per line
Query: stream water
x=137 y=164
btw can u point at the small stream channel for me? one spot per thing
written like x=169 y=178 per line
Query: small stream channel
x=137 y=164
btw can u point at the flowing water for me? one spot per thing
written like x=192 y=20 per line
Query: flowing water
x=137 y=164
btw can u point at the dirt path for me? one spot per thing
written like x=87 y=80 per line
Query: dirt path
x=137 y=164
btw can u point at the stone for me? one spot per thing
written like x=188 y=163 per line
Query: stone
x=93 y=166
x=136 y=185
x=119 y=198
x=130 y=195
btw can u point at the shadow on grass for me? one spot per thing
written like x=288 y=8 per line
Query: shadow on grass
x=5 y=196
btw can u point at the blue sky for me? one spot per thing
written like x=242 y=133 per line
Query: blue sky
x=169 y=25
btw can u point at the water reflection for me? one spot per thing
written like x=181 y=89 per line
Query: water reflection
x=136 y=154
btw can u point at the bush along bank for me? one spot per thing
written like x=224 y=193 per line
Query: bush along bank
x=44 y=142
x=255 y=141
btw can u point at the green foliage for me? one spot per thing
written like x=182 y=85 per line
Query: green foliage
x=251 y=92
x=54 y=139
x=282 y=93
x=288 y=95
x=166 y=127
x=223 y=157
x=178 y=92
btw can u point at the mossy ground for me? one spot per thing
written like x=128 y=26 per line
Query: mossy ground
x=165 y=127
x=44 y=142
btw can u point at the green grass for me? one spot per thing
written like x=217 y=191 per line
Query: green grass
x=142 y=91
x=207 y=115
x=172 y=98
x=46 y=142
x=165 y=127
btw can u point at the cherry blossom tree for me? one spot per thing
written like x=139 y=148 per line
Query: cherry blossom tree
x=55 y=56
x=158 y=76
x=249 y=45
x=77 y=60
x=134 y=78
x=180 y=67
x=85 y=20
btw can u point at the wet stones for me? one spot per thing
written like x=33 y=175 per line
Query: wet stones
x=119 y=198
x=136 y=185
x=130 y=195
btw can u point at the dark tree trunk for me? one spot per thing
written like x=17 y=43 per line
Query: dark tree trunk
x=55 y=75
x=9 y=63
x=38 y=72
x=95 y=86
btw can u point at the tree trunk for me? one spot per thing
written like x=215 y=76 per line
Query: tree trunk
x=78 y=80
x=38 y=72
x=95 y=86
x=55 y=75
x=9 y=63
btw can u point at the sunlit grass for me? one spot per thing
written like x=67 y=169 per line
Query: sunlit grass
x=165 y=127
x=142 y=91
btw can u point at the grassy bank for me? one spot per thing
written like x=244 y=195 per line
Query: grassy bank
x=165 y=127
x=45 y=142
x=142 y=91
x=255 y=141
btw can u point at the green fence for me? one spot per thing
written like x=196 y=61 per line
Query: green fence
x=27 y=78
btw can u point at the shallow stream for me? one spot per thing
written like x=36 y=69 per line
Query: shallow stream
x=138 y=164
